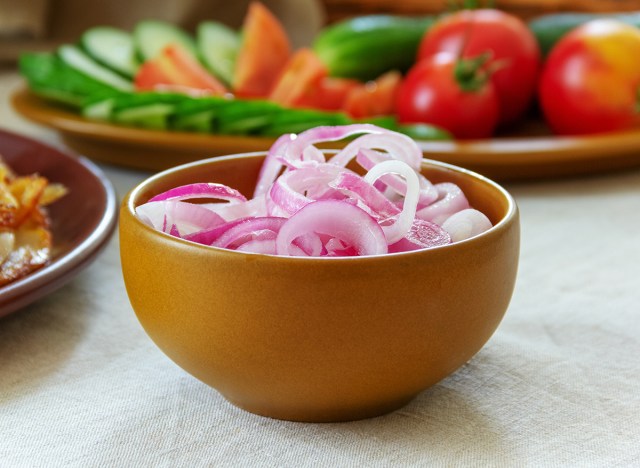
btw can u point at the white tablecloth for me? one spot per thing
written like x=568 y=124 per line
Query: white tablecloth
x=557 y=385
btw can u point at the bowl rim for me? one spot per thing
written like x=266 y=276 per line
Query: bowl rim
x=507 y=219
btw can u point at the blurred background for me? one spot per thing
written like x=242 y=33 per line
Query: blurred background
x=42 y=24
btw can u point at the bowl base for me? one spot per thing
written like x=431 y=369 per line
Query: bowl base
x=320 y=414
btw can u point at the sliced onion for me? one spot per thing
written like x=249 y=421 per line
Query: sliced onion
x=296 y=148
x=211 y=234
x=368 y=158
x=201 y=190
x=337 y=219
x=422 y=235
x=288 y=191
x=451 y=200
x=262 y=246
x=305 y=206
x=466 y=224
x=374 y=201
x=249 y=229
x=229 y=211
x=398 y=146
x=177 y=218
x=271 y=166
x=403 y=221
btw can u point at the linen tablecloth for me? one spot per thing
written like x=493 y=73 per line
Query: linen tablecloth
x=557 y=385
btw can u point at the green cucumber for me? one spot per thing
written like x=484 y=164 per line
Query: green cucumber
x=112 y=48
x=549 y=29
x=101 y=109
x=200 y=122
x=151 y=36
x=75 y=58
x=197 y=114
x=299 y=120
x=50 y=77
x=246 y=117
x=424 y=132
x=218 y=47
x=152 y=116
x=367 y=46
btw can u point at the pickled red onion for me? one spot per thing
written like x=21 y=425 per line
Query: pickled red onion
x=337 y=219
x=201 y=190
x=304 y=205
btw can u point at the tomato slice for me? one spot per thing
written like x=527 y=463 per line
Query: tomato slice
x=374 y=98
x=303 y=71
x=263 y=54
x=328 y=94
x=174 y=66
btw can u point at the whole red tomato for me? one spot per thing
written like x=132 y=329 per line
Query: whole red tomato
x=591 y=79
x=513 y=50
x=451 y=93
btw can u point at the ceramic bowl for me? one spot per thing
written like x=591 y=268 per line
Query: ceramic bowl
x=317 y=339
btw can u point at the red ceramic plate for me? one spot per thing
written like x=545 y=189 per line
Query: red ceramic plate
x=82 y=221
x=528 y=152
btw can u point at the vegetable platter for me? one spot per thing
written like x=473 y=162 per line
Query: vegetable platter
x=158 y=96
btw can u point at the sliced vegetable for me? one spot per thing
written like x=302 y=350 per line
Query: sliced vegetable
x=218 y=47
x=303 y=71
x=113 y=48
x=374 y=98
x=50 y=77
x=151 y=37
x=328 y=94
x=174 y=66
x=75 y=58
x=263 y=54
x=246 y=117
x=320 y=208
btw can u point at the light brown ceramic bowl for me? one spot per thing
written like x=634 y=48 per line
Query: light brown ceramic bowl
x=318 y=339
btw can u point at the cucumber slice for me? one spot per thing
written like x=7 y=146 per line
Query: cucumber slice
x=242 y=117
x=197 y=114
x=111 y=47
x=153 y=116
x=75 y=58
x=100 y=110
x=218 y=47
x=299 y=120
x=151 y=36
x=201 y=122
x=50 y=77
x=424 y=132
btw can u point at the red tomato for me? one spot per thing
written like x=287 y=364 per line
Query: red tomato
x=374 y=98
x=263 y=54
x=329 y=94
x=303 y=71
x=174 y=66
x=591 y=79
x=513 y=50
x=432 y=93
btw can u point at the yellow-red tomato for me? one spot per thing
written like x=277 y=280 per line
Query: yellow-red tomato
x=591 y=80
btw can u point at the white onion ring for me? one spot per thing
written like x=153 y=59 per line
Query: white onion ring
x=403 y=221
x=466 y=224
